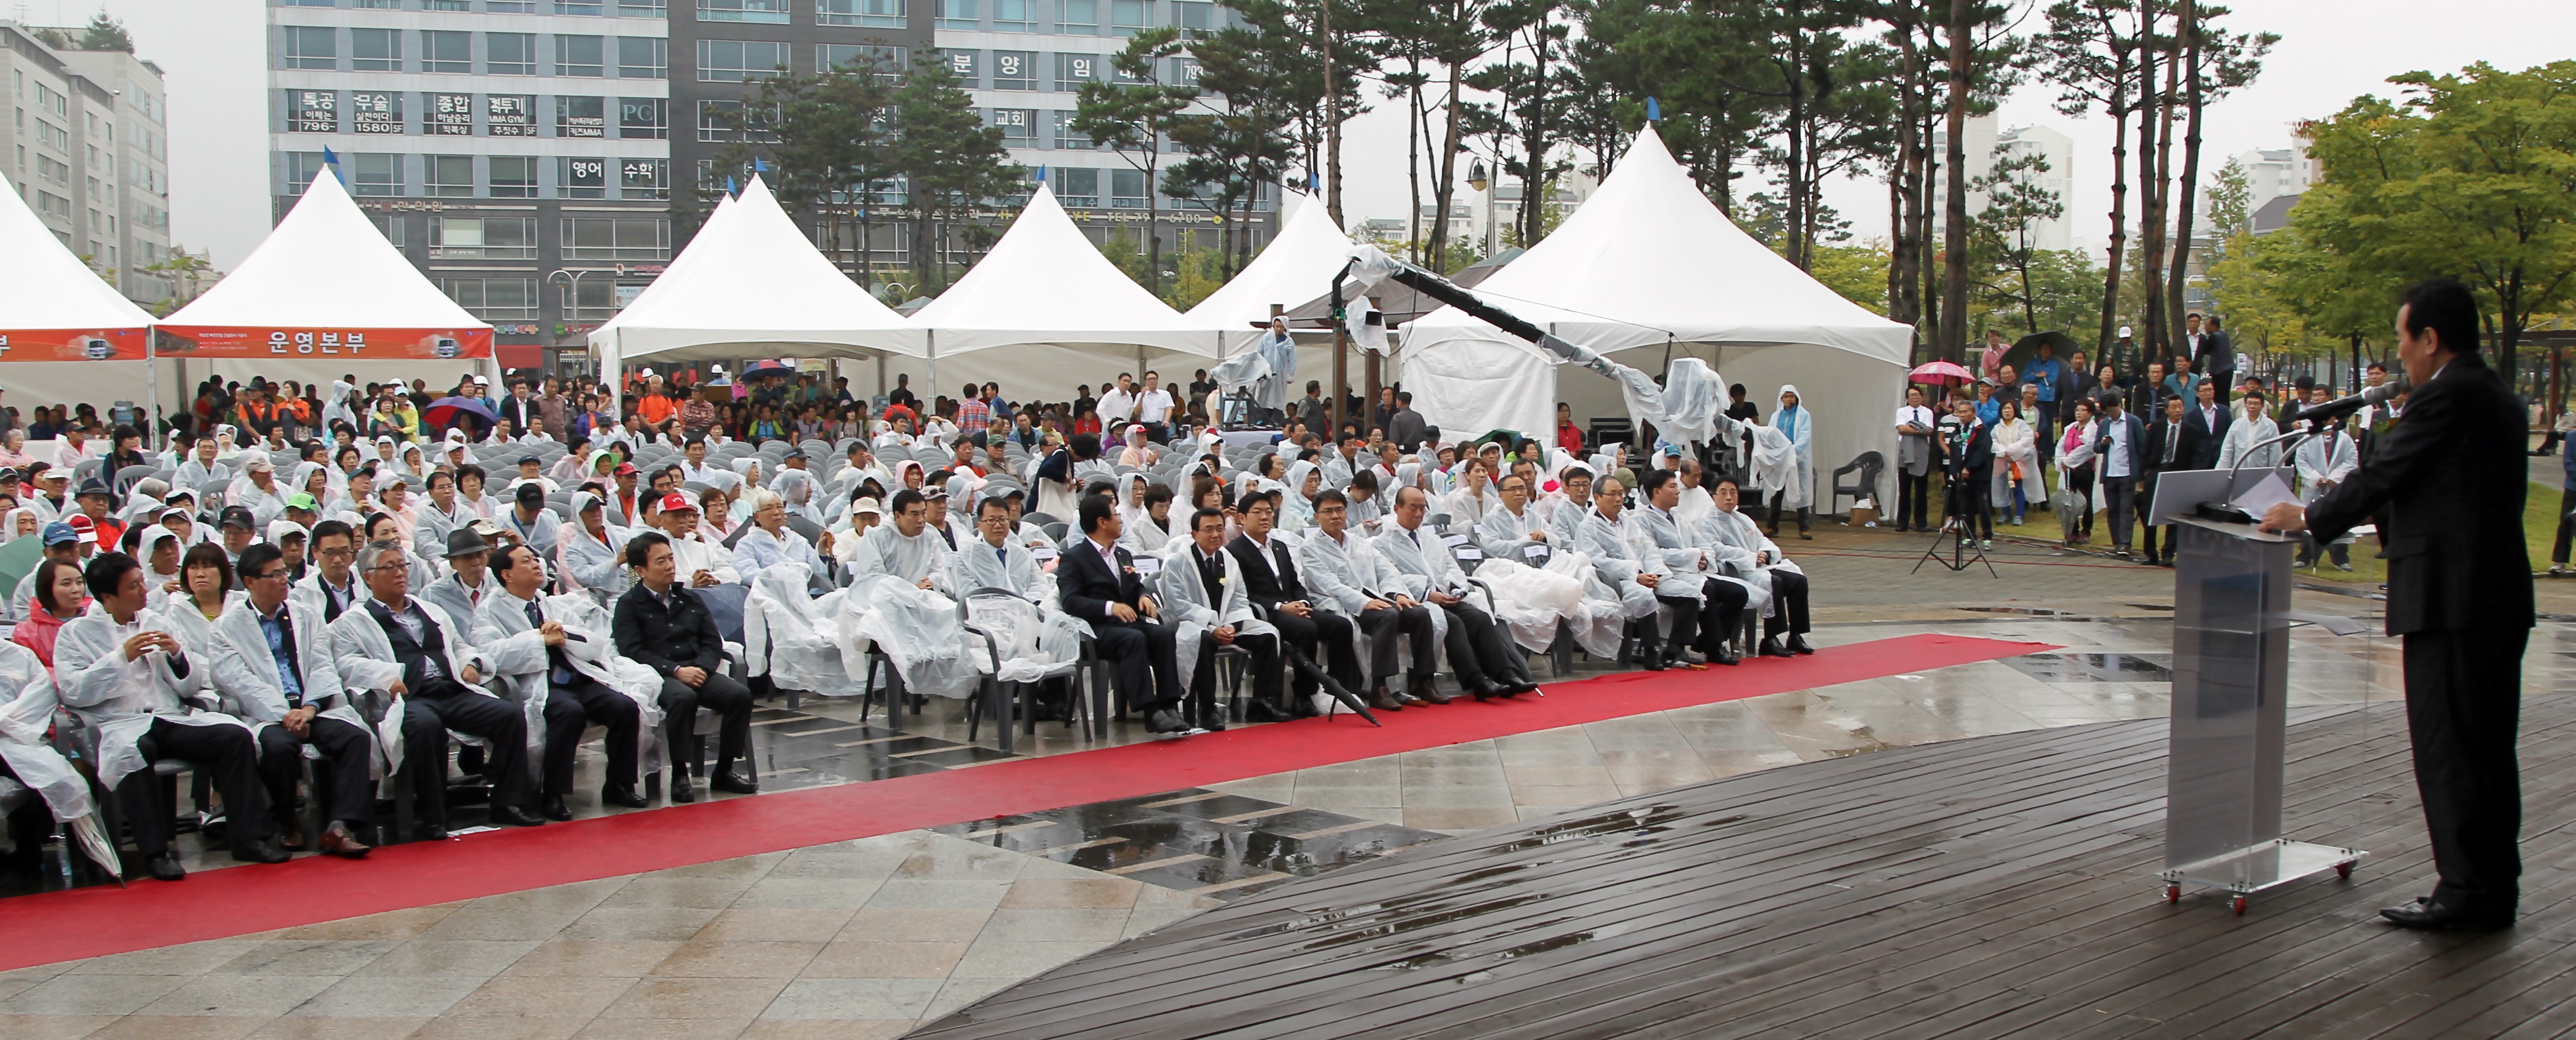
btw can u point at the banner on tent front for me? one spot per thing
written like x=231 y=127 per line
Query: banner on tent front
x=235 y=341
x=71 y=344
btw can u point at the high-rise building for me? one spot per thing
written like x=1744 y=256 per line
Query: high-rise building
x=517 y=150
x=1987 y=142
x=88 y=149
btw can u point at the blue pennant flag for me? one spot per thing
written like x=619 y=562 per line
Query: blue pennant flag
x=1041 y=175
x=758 y=166
x=1654 y=112
x=729 y=187
x=1314 y=183
x=330 y=157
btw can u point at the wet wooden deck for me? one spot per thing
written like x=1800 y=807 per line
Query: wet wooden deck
x=2002 y=886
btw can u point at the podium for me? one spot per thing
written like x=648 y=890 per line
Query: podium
x=2232 y=619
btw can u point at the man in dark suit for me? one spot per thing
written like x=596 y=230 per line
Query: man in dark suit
x=1097 y=582
x=662 y=624
x=2210 y=420
x=2172 y=444
x=1270 y=576
x=2448 y=484
x=2119 y=458
x=1967 y=465
x=2218 y=359
x=520 y=407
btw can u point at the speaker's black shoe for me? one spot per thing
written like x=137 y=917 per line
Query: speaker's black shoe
x=1798 y=645
x=622 y=796
x=2426 y=915
x=165 y=867
x=731 y=782
x=265 y=850
x=552 y=807
x=513 y=816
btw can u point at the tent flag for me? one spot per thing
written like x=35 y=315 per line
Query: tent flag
x=329 y=157
x=1654 y=112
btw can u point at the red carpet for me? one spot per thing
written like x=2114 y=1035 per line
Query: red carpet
x=91 y=922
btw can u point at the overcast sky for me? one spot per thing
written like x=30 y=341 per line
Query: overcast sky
x=2331 y=51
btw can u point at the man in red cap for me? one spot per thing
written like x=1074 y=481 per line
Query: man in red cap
x=697 y=562
x=622 y=505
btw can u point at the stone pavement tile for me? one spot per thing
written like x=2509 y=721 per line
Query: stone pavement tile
x=1381 y=813
x=257 y=996
x=1276 y=787
x=854 y=999
x=655 y=890
x=1459 y=819
x=620 y=959
x=1551 y=776
x=949 y=858
x=1052 y=925
x=481 y=922
x=1460 y=796
x=1731 y=763
x=610 y=924
x=776 y=925
x=1318 y=796
x=771 y=892
x=535 y=996
x=92 y=994
x=500 y=1028
x=718 y=999
x=194 y=958
x=842 y=1029
x=391 y=924
x=51 y=1027
x=834 y=861
x=887 y=924
x=738 y=960
x=1070 y=894
x=389 y=996
x=464 y=958
x=1016 y=959
x=1566 y=796
x=753 y=866
x=317 y=1028
x=181 y=1027
x=961 y=991
x=332 y=957
x=575 y=897
x=885 y=960
x=662 y=1029
x=940 y=895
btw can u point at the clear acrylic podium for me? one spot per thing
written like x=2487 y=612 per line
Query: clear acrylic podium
x=2230 y=698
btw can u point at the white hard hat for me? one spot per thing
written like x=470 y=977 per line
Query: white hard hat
x=2124 y=332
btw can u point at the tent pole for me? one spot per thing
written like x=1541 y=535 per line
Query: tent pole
x=930 y=337
x=151 y=417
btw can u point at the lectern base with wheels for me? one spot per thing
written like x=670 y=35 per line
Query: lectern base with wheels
x=2230 y=699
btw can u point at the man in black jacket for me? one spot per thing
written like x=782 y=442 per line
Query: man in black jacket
x=2209 y=420
x=662 y=624
x=1968 y=465
x=1270 y=576
x=2173 y=443
x=1097 y=581
x=2449 y=483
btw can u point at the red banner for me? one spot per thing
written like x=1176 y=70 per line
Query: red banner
x=71 y=344
x=234 y=341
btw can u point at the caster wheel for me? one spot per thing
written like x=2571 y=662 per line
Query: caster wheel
x=2240 y=906
x=2343 y=871
x=2173 y=894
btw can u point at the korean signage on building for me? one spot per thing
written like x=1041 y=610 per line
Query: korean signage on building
x=450 y=115
x=312 y=112
x=510 y=115
x=232 y=341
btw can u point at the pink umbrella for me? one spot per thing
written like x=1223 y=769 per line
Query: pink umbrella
x=1940 y=372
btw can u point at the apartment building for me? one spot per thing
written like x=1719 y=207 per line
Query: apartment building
x=89 y=151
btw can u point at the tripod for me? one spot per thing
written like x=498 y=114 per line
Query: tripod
x=1964 y=550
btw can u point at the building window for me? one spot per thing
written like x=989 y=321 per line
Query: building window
x=581 y=117
x=307 y=112
x=1127 y=189
x=389 y=225
x=642 y=9
x=643 y=119
x=1128 y=16
x=446 y=5
x=376 y=111
x=774 y=11
x=643 y=57
x=962 y=63
x=1015 y=70
x=587 y=7
x=581 y=55
x=483 y=238
x=301 y=168
x=875 y=14
x=60 y=208
x=1015 y=15
x=717 y=120
x=733 y=61
x=1067 y=137
x=375 y=50
x=1074 y=70
x=581 y=178
x=442 y=50
x=510 y=54
x=1019 y=125
x=1077 y=16
x=887 y=62
x=514 y=177
x=644 y=178
x=956 y=14
x=380 y=175
x=447 y=115
x=616 y=238
x=304 y=48
x=447 y=176
x=510 y=115
x=510 y=6
x=1077 y=188
x=1194 y=18
x=53 y=169
x=495 y=299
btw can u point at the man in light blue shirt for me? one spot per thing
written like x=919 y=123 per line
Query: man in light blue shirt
x=2044 y=372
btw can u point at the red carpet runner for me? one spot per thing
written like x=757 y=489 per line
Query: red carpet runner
x=91 y=922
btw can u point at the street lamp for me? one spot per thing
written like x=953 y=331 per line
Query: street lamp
x=1479 y=180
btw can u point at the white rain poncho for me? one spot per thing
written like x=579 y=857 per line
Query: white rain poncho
x=366 y=659
x=793 y=638
x=23 y=721
x=1193 y=613
x=1534 y=592
x=517 y=652
x=885 y=550
x=1798 y=424
x=121 y=697
x=917 y=628
x=1739 y=538
x=591 y=565
x=1028 y=643
x=1618 y=556
x=1297 y=507
x=1775 y=466
x=796 y=490
x=242 y=666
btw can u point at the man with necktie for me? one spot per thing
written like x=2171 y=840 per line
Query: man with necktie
x=2172 y=444
x=534 y=654
x=273 y=658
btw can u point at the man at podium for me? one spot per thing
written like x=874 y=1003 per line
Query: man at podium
x=2449 y=481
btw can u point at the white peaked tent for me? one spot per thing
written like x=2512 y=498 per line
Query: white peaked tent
x=1298 y=265
x=751 y=284
x=1647 y=261
x=1046 y=293
x=55 y=308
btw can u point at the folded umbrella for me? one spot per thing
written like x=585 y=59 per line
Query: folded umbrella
x=92 y=835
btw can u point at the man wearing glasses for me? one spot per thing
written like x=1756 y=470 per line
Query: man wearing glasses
x=275 y=661
x=332 y=587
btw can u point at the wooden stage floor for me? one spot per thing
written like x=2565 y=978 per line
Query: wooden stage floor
x=2000 y=886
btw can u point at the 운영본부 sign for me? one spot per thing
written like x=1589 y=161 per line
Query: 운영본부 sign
x=229 y=341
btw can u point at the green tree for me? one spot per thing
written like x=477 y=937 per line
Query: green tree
x=1536 y=91
x=2015 y=207
x=2472 y=175
x=1237 y=149
x=105 y=34
x=1130 y=114
x=826 y=147
x=951 y=163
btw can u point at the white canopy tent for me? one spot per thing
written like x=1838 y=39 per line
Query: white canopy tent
x=1649 y=264
x=55 y=308
x=326 y=294
x=1049 y=296
x=751 y=284
x=1298 y=265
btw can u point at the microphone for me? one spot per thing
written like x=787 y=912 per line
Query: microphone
x=2373 y=396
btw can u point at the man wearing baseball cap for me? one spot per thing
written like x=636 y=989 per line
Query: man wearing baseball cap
x=534 y=525
x=239 y=529
x=62 y=543
x=96 y=501
x=699 y=563
x=48 y=501
x=623 y=510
